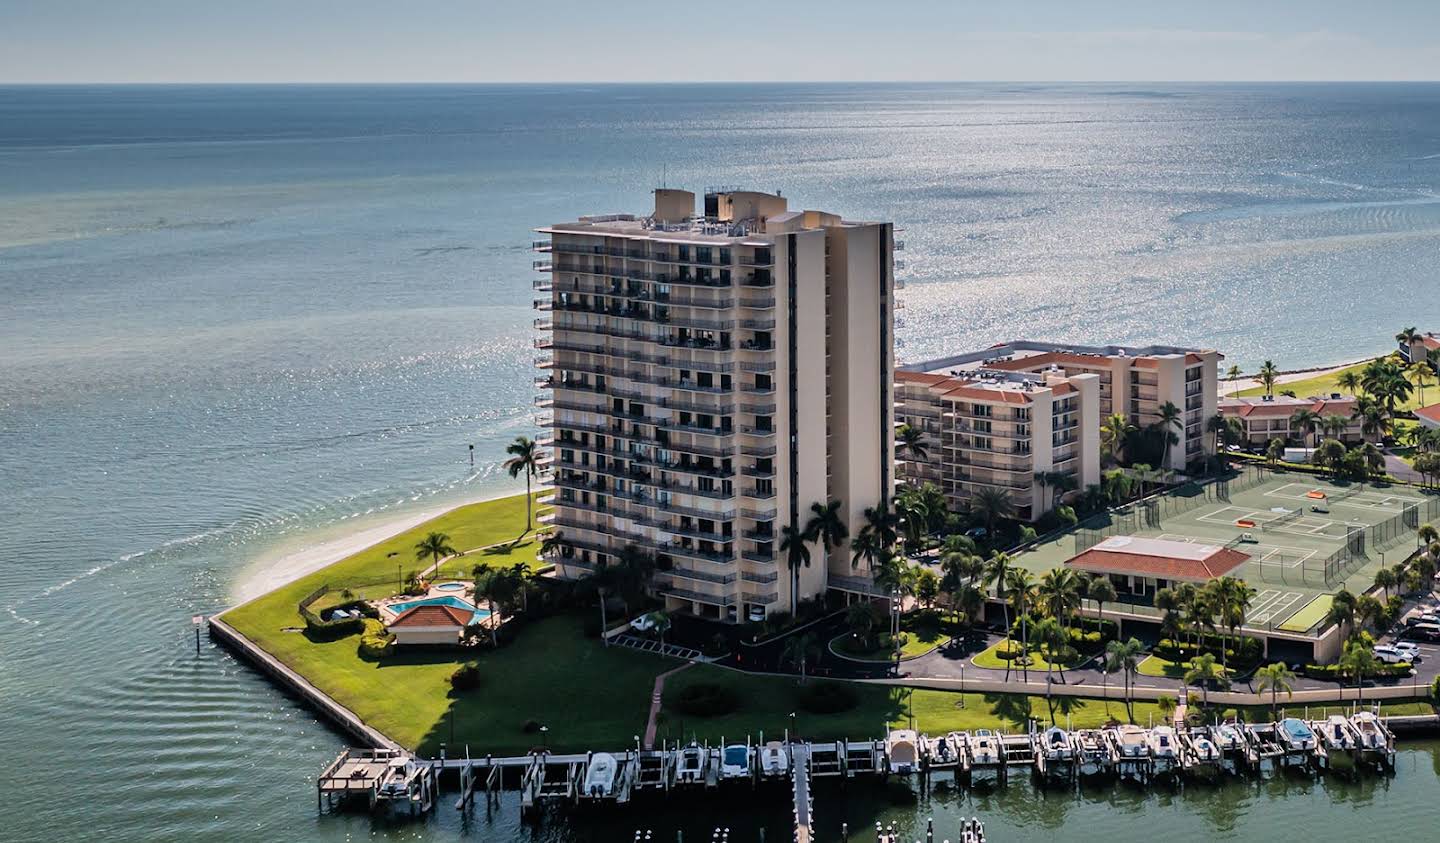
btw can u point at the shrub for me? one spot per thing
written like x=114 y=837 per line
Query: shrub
x=1435 y=689
x=1007 y=650
x=827 y=697
x=706 y=699
x=465 y=678
x=1333 y=673
x=375 y=642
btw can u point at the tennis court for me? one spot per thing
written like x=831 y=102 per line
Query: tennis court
x=1306 y=537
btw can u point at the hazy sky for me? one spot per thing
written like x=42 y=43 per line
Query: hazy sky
x=680 y=40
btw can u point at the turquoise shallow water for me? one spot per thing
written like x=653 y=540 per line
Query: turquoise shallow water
x=238 y=318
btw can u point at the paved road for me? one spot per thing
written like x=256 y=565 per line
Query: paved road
x=1401 y=470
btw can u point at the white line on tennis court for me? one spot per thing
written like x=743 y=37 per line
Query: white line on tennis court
x=1277 y=607
x=1268 y=550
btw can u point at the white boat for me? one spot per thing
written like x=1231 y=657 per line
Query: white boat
x=395 y=782
x=1162 y=742
x=1336 y=733
x=774 y=760
x=600 y=775
x=1205 y=749
x=1055 y=743
x=1367 y=728
x=983 y=752
x=1227 y=737
x=1294 y=735
x=902 y=753
x=690 y=764
x=1131 y=741
x=735 y=761
x=944 y=750
x=1093 y=753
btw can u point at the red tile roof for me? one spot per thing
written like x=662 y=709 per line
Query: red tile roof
x=1430 y=341
x=1430 y=413
x=976 y=393
x=1217 y=564
x=920 y=377
x=433 y=615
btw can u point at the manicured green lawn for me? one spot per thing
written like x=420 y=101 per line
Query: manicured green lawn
x=923 y=633
x=946 y=711
x=1327 y=384
x=1165 y=669
x=376 y=571
x=989 y=658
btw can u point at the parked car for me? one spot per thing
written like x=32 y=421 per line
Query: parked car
x=1424 y=631
x=1390 y=654
x=1423 y=617
x=1410 y=649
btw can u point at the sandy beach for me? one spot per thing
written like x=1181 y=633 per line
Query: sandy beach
x=1227 y=388
x=324 y=546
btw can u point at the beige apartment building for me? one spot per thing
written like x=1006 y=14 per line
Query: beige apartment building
x=998 y=417
x=708 y=377
x=1266 y=417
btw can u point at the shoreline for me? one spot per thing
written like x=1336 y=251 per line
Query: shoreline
x=285 y=564
x=1244 y=382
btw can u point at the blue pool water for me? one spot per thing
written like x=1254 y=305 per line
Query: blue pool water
x=480 y=614
x=450 y=586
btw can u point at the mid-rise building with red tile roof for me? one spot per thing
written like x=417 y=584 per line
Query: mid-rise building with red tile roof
x=1273 y=417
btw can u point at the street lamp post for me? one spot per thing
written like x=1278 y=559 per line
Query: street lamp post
x=544 y=738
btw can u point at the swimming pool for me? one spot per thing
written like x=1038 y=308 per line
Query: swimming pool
x=450 y=586
x=480 y=614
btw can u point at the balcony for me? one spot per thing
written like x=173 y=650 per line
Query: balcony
x=699 y=576
x=763 y=557
x=759 y=514
x=677 y=549
x=760 y=494
x=765 y=598
x=697 y=596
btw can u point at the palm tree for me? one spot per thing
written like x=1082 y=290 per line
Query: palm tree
x=997 y=574
x=1330 y=453
x=883 y=522
x=1203 y=671
x=1051 y=636
x=496 y=586
x=866 y=546
x=1334 y=425
x=1342 y=610
x=524 y=458
x=826 y=526
x=1433 y=358
x=1102 y=591
x=1385 y=578
x=799 y=649
x=910 y=443
x=860 y=617
x=1170 y=417
x=1348 y=380
x=1125 y=657
x=1408 y=337
x=1358 y=661
x=1059 y=593
x=552 y=544
x=991 y=505
x=633 y=570
x=970 y=602
x=1420 y=374
x=1268 y=375
x=1167 y=705
x=1113 y=433
x=1141 y=472
x=1275 y=451
x=1274 y=678
x=1305 y=420
x=1020 y=585
x=435 y=546
x=1374 y=458
x=1233 y=374
x=797 y=556
x=1234 y=598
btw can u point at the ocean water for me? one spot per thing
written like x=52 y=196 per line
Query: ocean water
x=238 y=321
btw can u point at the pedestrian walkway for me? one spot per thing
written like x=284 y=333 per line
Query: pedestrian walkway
x=655 y=697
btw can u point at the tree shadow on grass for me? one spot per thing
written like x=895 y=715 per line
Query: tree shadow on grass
x=1014 y=709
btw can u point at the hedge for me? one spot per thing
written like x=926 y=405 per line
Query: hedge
x=375 y=642
x=1250 y=652
x=318 y=628
x=1334 y=673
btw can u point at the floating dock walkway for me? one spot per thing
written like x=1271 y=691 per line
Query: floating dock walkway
x=386 y=779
